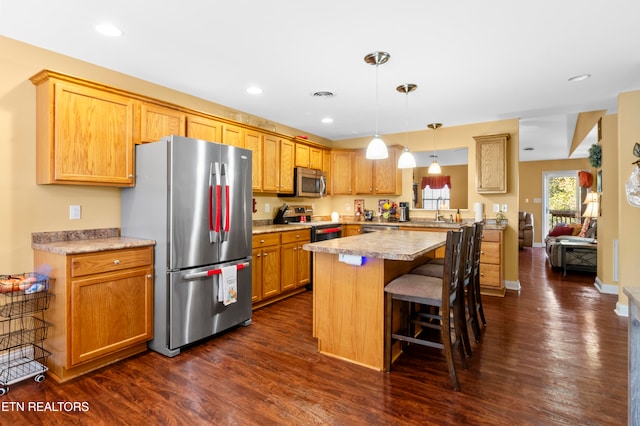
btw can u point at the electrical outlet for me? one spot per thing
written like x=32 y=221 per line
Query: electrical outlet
x=496 y=208
x=347 y=207
x=74 y=212
x=267 y=207
x=504 y=208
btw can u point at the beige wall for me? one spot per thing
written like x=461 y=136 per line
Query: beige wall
x=531 y=187
x=628 y=218
x=609 y=200
x=456 y=137
x=28 y=207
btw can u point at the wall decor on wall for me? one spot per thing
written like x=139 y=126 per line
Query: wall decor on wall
x=632 y=188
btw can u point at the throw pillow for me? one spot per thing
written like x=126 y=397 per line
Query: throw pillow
x=561 y=230
x=576 y=228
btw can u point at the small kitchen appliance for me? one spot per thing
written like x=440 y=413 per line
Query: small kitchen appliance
x=404 y=211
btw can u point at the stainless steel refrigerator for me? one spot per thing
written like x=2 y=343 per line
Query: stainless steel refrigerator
x=194 y=198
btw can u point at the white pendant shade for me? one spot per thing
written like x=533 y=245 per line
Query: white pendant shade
x=434 y=168
x=377 y=150
x=406 y=160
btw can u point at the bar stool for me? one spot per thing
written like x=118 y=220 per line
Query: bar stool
x=424 y=291
x=477 y=251
x=436 y=269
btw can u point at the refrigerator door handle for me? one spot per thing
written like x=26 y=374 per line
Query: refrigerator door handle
x=227 y=202
x=212 y=236
x=213 y=272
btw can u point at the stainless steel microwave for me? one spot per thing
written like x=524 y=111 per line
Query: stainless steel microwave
x=309 y=183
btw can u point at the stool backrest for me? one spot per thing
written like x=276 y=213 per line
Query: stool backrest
x=454 y=264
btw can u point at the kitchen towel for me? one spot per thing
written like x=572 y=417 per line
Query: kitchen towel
x=228 y=288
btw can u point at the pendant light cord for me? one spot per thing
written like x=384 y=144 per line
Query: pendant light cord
x=376 y=100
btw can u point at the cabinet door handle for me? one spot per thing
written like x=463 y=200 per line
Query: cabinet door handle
x=258 y=255
x=149 y=276
x=295 y=248
x=265 y=255
x=261 y=241
x=117 y=262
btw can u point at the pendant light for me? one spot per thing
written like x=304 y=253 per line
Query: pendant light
x=407 y=160
x=377 y=150
x=434 y=168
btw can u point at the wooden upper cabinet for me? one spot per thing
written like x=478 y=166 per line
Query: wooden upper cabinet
x=271 y=161
x=233 y=135
x=377 y=176
x=84 y=133
x=204 y=128
x=491 y=163
x=341 y=172
x=308 y=156
x=326 y=167
x=253 y=142
x=287 y=154
x=159 y=121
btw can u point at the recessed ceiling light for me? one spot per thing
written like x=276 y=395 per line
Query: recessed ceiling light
x=579 y=77
x=529 y=148
x=109 y=30
x=327 y=120
x=323 y=94
x=254 y=90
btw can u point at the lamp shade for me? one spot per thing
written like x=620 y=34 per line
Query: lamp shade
x=377 y=150
x=406 y=160
x=434 y=168
x=593 y=205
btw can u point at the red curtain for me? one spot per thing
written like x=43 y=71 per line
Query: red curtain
x=436 y=182
x=585 y=178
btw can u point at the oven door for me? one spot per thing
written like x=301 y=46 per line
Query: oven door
x=327 y=233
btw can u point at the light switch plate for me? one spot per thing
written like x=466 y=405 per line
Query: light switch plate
x=496 y=208
x=504 y=208
x=267 y=207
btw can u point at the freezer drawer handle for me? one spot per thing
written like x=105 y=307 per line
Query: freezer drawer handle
x=213 y=272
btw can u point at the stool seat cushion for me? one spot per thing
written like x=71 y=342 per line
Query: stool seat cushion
x=419 y=288
x=429 y=269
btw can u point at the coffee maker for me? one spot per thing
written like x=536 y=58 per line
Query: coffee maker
x=404 y=211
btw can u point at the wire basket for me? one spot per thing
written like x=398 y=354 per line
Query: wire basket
x=22 y=362
x=18 y=331
x=21 y=294
x=29 y=282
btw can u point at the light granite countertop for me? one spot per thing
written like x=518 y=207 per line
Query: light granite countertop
x=387 y=244
x=633 y=293
x=85 y=241
x=265 y=229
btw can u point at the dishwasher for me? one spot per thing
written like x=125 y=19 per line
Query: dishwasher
x=373 y=228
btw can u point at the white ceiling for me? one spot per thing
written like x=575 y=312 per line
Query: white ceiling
x=473 y=61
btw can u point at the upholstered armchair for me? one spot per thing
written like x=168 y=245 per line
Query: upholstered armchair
x=525 y=229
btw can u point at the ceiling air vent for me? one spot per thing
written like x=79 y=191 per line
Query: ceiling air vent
x=323 y=94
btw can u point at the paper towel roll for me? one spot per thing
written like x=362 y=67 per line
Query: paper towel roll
x=478 y=208
x=350 y=259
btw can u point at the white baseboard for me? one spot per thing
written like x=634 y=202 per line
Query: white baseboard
x=605 y=288
x=621 y=310
x=512 y=285
x=539 y=244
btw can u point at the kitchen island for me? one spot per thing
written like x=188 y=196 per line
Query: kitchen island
x=349 y=276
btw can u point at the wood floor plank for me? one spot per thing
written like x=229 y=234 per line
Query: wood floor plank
x=554 y=353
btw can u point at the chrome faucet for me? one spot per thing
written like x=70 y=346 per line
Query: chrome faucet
x=438 y=209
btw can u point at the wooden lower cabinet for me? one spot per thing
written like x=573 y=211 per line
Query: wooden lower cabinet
x=102 y=309
x=296 y=262
x=281 y=268
x=491 y=263
x=349 y=230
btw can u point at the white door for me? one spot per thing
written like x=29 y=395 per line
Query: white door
x=560 y=192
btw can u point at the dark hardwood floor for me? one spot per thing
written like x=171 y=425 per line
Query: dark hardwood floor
x=553 y=354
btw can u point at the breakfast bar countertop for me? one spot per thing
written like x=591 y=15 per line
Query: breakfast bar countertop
x=387 y=244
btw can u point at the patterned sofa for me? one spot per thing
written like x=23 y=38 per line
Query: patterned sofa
x=554 y=254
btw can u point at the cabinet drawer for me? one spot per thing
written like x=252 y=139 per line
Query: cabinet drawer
x=109 y=261
x=263 y=240
x=490 y=253
x=294 y=236
x=492 y=235
x=490 y=275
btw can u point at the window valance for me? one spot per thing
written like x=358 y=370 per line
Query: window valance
x=436 y=182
